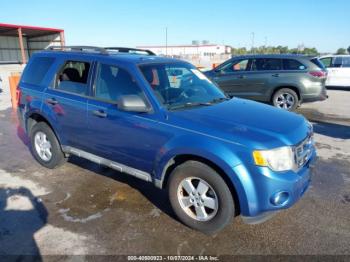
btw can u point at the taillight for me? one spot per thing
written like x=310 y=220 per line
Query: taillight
x=18 y=95
x=319 y=74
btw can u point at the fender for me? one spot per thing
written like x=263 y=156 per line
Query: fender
x=48 y=114
x=280 y=86
x=31 y=109
x=217 y=152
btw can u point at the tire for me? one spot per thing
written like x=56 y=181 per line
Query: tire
x=50 y=143
x=286 y=99
x=194 y=171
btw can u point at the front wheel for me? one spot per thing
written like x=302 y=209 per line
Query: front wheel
x=200 y=197
x=286 y=99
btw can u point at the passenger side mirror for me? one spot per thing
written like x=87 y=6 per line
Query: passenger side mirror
x=132 y=103
x=219 y=71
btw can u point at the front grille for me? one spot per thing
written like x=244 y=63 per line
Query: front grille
x=303 y=151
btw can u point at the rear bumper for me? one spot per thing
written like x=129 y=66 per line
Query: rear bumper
x=21 y=118
x=344 y=87
x=307 y=98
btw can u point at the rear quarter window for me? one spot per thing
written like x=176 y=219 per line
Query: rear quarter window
x=37 y=69
x=266 y=64
x=337 y=61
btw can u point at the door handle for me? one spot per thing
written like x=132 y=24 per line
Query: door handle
x=100 y=113
x=276 y=75
x=241 y=76
x=52 y=101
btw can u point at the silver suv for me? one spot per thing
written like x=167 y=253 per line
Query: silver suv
x=285 y=81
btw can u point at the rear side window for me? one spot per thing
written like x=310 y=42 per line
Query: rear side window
x=266 y=64
x=73 y=77
x=292 y=64
x=337 y=61
x=37 y=69
x=346 y=61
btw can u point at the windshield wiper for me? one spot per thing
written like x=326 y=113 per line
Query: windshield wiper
x=186 y=105
x=218 y=100
x=193 y=104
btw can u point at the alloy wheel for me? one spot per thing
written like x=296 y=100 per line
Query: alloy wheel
x=285 y=101
x=43 y=146
x=197 y=198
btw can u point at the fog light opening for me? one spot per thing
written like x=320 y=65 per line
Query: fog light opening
x=280 y=198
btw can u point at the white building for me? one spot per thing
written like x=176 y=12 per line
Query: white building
x=205 y=50
x=201 y=55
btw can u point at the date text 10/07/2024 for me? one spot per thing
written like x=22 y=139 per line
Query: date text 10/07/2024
x=173 y=258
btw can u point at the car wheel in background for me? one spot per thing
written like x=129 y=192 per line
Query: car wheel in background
x=45 y=146
x=200 y=197
x=286 y=99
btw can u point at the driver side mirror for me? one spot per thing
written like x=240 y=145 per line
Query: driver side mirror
x=132 y=103
x=219 y=71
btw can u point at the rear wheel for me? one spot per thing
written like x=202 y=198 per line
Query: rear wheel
x=286 y=99
x=200 y=197
x=45 y=146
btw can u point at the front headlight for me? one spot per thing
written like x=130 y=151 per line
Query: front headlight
x=278 y=159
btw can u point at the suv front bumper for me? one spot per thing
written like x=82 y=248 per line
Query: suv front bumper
x=270 y=191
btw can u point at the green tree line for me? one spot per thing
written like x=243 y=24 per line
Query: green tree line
x=312 y=51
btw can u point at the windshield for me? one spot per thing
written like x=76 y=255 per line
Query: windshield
x=180 y=85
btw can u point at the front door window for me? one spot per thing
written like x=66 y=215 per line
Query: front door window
x=235 y=66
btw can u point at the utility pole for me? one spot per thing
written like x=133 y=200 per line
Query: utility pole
x=253 y=39
x=166 y=41
x=265 y=44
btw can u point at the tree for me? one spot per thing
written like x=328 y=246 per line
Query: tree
x=239 y=51
x=311 y=51
x=341 y=51
x=348 y=49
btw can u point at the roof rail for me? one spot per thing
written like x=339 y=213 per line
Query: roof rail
x=79 y=48
x=130 y=50
x=102 y=50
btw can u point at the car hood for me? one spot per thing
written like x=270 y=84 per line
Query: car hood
x=245 y=122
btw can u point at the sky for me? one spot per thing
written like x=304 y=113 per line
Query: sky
x=324 y=24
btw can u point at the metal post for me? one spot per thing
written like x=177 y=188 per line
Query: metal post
x=63 y=41
x=21 y=46
x=166 y=41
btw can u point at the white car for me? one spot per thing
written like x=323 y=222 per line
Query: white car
x=338 y=68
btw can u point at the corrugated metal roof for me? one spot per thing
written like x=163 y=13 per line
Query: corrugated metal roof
x=11 y=30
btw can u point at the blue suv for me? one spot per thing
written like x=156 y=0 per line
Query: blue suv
x=163 y=121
